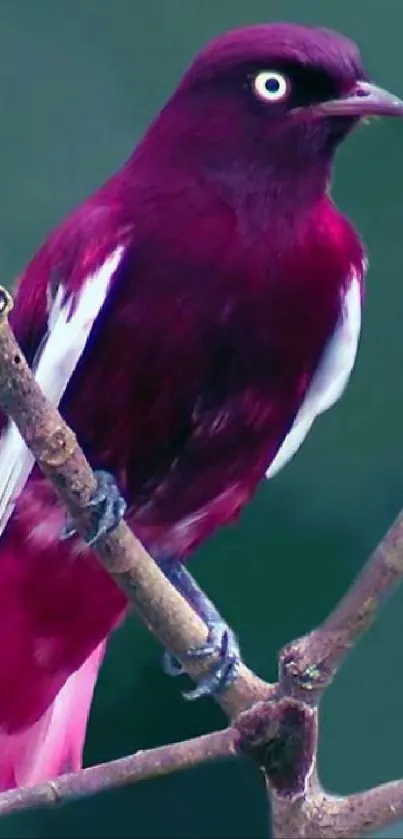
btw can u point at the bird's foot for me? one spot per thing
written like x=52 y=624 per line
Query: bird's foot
x=108 y=508
x=220 y=640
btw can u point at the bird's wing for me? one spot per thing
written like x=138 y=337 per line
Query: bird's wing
x=60 y=346
x=235 y=438
x=330 y=377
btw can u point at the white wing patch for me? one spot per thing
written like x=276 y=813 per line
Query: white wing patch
x=330 y=378
x=57 y=359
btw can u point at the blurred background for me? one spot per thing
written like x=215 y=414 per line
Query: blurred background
x=79 y=82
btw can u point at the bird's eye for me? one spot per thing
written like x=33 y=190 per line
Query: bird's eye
x=270 y=86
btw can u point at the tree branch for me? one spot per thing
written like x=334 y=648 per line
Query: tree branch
x=322 y=816
x=277 y=725
x=308 y=664
x=127 y=770
x=366 y=811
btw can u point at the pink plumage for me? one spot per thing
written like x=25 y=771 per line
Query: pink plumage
x=191 y=319
x=54 y=743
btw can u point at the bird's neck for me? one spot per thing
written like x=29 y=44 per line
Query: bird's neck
x=266 y=180
x=275 y=198
x=247 y=226
x=272 y=198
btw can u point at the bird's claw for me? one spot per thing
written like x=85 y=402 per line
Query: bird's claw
x=219 y=640
x=108 y=505
x=171 y=665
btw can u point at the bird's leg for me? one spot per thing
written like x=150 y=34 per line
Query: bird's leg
x=108 y=508
x=220 y=637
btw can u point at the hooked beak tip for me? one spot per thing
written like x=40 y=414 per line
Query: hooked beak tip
x=364 y=100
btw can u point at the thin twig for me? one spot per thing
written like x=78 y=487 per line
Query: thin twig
x=55 y=447
x=357 y=815
x=308 y=664
x=127 y=770
x=317 y=815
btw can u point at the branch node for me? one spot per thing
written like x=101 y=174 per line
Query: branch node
x=58 y=446
x=281 y=737
x=299 y=674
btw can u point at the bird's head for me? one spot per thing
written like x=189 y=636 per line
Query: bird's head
x=277 y=98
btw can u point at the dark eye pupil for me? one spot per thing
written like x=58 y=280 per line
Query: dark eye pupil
x=272 y=85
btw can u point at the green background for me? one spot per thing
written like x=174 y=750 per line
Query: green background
x=79 y=82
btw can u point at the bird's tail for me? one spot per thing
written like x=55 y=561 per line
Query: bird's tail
x=54 y=744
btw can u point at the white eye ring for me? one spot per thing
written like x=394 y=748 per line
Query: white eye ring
x=271 y=86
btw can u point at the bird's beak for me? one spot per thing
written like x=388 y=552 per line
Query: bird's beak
x=364 y=100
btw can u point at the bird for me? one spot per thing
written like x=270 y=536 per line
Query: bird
x=190 y=319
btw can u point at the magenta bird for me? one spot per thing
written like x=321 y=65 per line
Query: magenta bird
x=191 y=319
